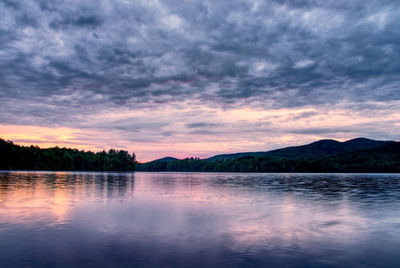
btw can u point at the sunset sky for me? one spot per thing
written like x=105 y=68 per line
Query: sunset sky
x=197 y=78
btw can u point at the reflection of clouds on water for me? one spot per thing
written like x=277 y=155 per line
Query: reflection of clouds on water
x=48 y=198
x=215 y=219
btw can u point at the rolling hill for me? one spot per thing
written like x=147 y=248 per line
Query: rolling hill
x=318 y=149
x=358 y=155
x=166 y=159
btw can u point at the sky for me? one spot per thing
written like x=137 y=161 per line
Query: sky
x=198 y=78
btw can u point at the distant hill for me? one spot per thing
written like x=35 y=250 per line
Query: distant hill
x=384 y=158
x=318 y=149
x=325 y=148
x=158 y=164
x=166 y=159
x=235 y=156
x=358 y=155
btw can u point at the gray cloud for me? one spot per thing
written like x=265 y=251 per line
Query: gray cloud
x=62 y=60
x=165 y=51
x=322 y=130
x=200 y=125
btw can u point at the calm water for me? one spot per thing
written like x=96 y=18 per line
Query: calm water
x=198 y=220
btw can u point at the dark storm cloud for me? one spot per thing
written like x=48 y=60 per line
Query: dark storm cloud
x=60 y=60
x=200 y=125
x=77 y=21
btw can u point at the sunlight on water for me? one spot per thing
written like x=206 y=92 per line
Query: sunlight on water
x=63 y=219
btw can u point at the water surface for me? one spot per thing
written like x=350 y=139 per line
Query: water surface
x=62 y=219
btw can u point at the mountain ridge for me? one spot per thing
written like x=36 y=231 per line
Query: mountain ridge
x=316 y=149
x=166 y=159
x=335 y=157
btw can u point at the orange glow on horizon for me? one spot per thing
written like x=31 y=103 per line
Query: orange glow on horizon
x=166 y=131
x=44 y=137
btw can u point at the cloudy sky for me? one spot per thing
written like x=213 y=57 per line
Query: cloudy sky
x=197 y=78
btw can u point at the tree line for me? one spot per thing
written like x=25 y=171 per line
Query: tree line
x=16 y=157
x=385 y=158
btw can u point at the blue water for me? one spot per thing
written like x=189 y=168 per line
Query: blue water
x=62 y=219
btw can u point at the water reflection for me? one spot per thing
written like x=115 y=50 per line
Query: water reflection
x=187 y=219
x=29 y=198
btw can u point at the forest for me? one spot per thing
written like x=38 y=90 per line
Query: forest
x=384 y=158
x=16 y=157
x=357 y=155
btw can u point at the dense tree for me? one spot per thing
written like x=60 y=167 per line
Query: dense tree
x=15 y=157
x=385 y=158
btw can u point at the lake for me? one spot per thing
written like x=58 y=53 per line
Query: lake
x=85 y=219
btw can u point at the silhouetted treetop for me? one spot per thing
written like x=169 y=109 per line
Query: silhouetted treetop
x=16 y=157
